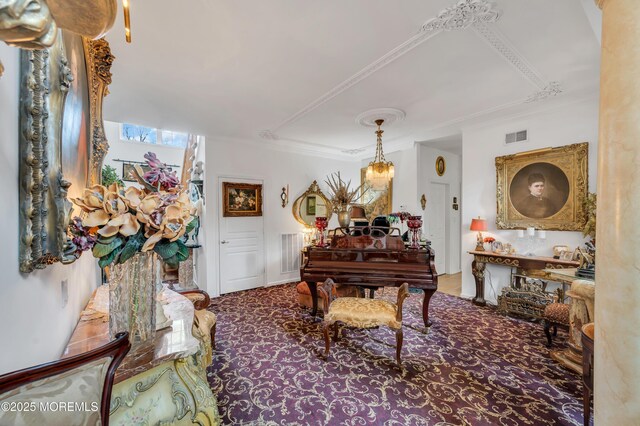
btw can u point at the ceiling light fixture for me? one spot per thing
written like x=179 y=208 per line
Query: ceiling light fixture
x=127 y=21
x=380 y=171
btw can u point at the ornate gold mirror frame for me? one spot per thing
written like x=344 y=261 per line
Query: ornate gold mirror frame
x=314 y=189
x=55 y=132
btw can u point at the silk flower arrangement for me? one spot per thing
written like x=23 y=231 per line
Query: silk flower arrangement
x=118 y=223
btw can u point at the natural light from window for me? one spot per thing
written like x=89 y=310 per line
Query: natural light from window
x=153 y=136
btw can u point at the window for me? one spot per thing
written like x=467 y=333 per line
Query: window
x=176 y=139
x=131 y=132
x=150 y=135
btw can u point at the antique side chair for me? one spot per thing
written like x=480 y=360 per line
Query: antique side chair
x=361 y=313
x=83 y=380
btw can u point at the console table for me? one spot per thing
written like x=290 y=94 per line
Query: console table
x=533 y=266
x=162 y=380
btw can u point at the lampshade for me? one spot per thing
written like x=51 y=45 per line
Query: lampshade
x=357 y=212
x=379 y=172
x=478 y=225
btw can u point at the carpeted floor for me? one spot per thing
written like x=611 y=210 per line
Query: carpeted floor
x=473 y=367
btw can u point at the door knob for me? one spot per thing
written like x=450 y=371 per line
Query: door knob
x=224 y=242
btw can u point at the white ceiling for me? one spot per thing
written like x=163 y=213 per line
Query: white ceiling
x=296 y=74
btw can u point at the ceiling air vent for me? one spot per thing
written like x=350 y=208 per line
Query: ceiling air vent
x=514 y=137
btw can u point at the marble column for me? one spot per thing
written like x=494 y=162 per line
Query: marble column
x=617 y=307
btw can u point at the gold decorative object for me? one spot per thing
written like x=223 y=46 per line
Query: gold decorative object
x=52 y=165
x=379 y=172
x=441 y=166
x=376 y=202
x=478 y=225
x=423 y=201
x=127 y=21
x=241 y=199
x=545 y=188
x=34 y=24
x=322 y=207
x=1 y=69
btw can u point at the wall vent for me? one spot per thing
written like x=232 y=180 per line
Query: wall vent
x=519 y=136
x=290 y=247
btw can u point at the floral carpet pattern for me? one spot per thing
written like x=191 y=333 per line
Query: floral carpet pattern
x=472 y=367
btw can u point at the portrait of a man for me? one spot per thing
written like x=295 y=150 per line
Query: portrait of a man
x=539 y=190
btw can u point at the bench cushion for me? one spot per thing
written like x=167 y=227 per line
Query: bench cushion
x=363 y=313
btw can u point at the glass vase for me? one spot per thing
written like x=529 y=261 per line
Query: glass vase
x=132 y=296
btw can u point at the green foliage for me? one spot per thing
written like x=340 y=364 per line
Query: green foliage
x=166 y=250
x=590 y=207
x=191 y=225
x=133 y=245
x=109 y=176
x=101 y=250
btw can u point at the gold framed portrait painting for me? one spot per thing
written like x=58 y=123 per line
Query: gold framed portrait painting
x=544 y=189
x=241 y=199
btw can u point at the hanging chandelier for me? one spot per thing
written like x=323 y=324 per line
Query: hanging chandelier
x=379 y=172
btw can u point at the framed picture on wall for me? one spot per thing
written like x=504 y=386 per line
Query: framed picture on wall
x=241 y=199
x=544 y=189
x=127 y=169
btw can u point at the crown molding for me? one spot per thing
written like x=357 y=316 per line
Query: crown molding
x=551 y=89
x=462 y=15
x=477 y=15
x=498 y=41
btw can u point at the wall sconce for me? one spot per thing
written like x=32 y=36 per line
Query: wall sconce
x=423 y=201
x=455 y=203
x=284 y=196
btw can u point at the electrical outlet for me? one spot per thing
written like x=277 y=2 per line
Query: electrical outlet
x=403 y=207
x=64 y=292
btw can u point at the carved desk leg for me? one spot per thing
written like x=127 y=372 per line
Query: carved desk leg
x=425 y=306
x=477 y=269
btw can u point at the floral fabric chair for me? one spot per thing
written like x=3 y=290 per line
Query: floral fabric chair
x=83 y=380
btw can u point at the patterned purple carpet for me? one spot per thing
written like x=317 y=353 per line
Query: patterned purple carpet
x=474 y=367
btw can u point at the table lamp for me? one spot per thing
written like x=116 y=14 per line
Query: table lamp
x=479 y=225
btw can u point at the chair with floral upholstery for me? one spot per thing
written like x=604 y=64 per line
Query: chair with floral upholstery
x=361 y=313
x=83 y=380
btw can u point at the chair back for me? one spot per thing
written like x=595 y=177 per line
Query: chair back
x=74 y=390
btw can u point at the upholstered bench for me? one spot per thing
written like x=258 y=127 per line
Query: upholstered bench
x=555 y=314
x=304 y=294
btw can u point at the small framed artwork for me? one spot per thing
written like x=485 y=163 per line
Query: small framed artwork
x=544 y=189
x=127 y=171
x=241 y=199
x=441 y=166
x=311 y=205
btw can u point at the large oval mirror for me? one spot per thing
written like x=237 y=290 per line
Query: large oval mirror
x=310 y=205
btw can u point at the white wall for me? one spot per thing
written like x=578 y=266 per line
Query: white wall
x=242 y=159
x=37 y=317
x=427 y=175
x=563 y=125
x=135 y=151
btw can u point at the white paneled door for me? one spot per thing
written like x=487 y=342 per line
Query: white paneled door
x=241 y=248
x=437 y=215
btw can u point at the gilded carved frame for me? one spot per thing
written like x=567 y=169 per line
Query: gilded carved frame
x=46 y=78
x=562 y=204
x=313 y=189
